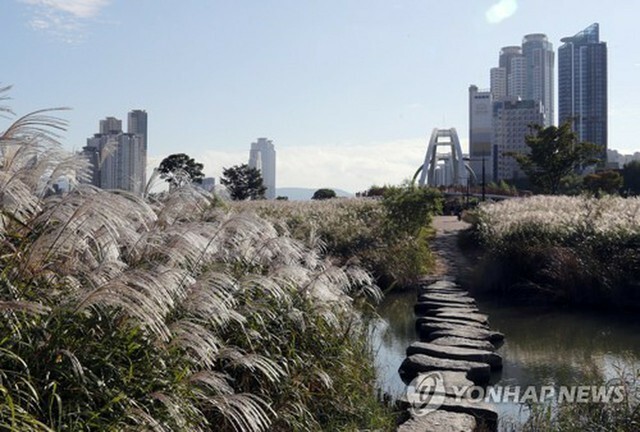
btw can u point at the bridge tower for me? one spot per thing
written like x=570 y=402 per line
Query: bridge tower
x=448 y=138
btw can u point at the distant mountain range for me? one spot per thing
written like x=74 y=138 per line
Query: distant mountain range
x=304 y=194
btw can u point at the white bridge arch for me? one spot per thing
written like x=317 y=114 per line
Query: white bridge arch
x=456 y=165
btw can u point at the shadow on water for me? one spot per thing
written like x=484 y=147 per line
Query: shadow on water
x=543 y=346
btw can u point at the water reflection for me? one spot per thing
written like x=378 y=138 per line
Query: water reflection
x=551 y=346
x=392 y=334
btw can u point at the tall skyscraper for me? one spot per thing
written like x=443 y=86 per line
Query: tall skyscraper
x=582 y=85
x=137 y=124
x=498 y=82
x=512 y=62
x=119 y=159
x=262 y=156
x=480 y=132
x=539 y=64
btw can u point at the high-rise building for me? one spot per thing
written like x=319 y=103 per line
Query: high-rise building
x=582 y=85
x=262 y=156
x=119 y=159
x=539 y=64
x=510 y=126
x=137 y=124
x=110 y=125
x=498 y=82
x=513 y=63
x=480 y=132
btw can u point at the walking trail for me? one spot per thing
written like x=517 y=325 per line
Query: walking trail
x=451 y=263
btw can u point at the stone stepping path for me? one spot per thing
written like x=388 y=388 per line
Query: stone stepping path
x=457 y=344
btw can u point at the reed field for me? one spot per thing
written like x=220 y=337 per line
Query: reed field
x=387 y=236
x=582 y=250
x=170 y=313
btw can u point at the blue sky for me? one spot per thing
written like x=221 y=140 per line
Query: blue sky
x=347 y=90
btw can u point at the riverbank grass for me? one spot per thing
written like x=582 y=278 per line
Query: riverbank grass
x=578 y=250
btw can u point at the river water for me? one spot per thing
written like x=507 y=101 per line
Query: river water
x=544 y=346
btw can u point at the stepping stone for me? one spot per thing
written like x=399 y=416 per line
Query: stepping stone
x=440 y=421
x=438 y=284
x=443 y=284
x=484 y=413
x=445 y=291
x=477 y=372
x=447 y=294
x=496 y=338
x=464 y=343
x=455 y=308
x=453 y=382
x=447 y=298
x=456 y=353
x=462 y=315
x=427 y=327
x=438 y=319
x=421 y=307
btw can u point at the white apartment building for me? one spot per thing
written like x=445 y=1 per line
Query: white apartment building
x=262 y=156
x=511 y=120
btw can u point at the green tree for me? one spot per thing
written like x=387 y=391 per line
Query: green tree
x=324 y=193
x=608 y=182
x=555 y=153
x=411 y=208
x=376 y=191
x=631 y=177
x=243 y=182
x=179 y=169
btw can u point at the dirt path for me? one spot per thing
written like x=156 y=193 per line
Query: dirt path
x=451 y=264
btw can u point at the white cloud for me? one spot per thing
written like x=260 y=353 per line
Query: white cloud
x=64 y=19
x=500 y=11
x=77 y=8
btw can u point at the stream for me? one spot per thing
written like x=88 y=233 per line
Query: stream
x=543 y=346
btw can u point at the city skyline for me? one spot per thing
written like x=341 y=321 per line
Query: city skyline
x=521 y=93
x=118 y=159
x=350 y=92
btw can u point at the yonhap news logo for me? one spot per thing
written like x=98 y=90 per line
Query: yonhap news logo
x=428 y=392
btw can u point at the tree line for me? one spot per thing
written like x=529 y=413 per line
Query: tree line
x=242 y=181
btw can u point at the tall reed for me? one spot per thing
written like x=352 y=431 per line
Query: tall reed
x=166 y=314
x=583 y=250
